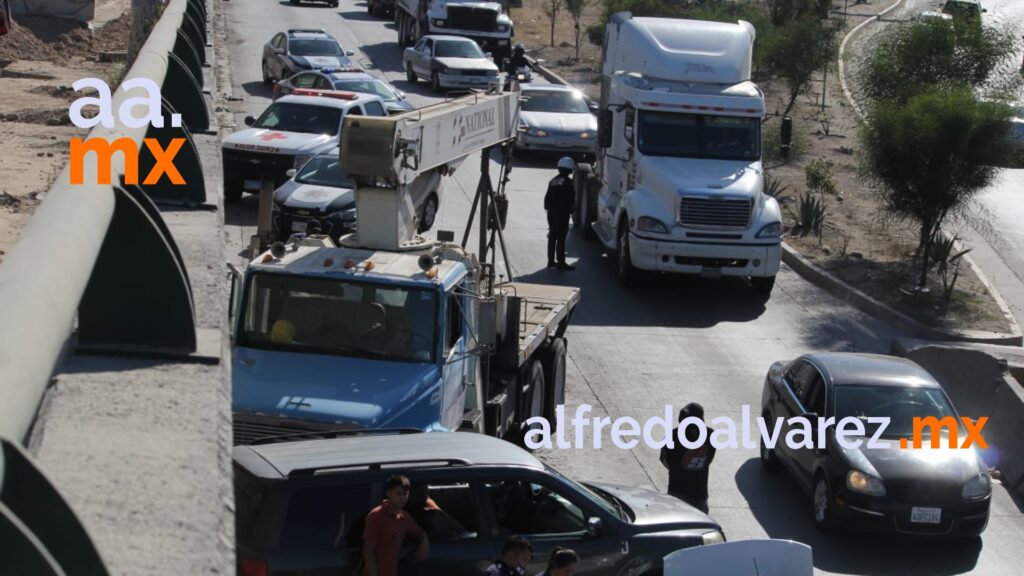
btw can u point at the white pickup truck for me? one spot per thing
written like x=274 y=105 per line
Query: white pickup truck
x=290 y=131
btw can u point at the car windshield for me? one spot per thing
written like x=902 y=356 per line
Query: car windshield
x=292 y=117
x=368 y=87
x=563 y=102
x=315 y=47
x=901 y=404
x=455 y=49
x=332 y=316
x=699 y=136
x=604 y=501
x=324 y=170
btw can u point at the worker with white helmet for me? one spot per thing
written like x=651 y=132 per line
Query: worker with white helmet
x=559 y=203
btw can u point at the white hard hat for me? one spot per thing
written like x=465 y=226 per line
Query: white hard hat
x=566 y=163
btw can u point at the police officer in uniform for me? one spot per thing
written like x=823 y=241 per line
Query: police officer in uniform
x=559 y=203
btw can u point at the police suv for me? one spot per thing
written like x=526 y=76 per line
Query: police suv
x=290 y=131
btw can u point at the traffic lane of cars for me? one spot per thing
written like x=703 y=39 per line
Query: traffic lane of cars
x=801 y=320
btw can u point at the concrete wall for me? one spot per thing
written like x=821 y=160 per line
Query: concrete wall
x=81 y=10
x=980 y=385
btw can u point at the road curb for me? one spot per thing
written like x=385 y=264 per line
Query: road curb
x=828 y=282
x=842 y=53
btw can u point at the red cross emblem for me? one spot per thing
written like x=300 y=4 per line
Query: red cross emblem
x=273 y=136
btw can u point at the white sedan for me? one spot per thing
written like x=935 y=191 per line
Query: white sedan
x=555 y=118
x=449 y=62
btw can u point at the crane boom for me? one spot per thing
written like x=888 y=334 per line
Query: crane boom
x=395 y=158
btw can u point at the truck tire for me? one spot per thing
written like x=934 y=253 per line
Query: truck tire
x=627 y=273
x=762 y=284
x=554 y=358
x=232 y=188
x=583 y=215
x=533 y=406
x=400 y=23
x=435 y=82
x=410 y=75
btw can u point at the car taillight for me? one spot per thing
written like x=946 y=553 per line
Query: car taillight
x=252 y=568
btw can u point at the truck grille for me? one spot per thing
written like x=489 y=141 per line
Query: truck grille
x=714 y=212
x=469 y=18
x=249 y=428
x=258 y=164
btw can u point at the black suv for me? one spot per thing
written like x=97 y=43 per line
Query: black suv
x=301 y=506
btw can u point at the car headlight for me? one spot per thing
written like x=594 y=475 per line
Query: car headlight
x=978 y=487
x=301 y=159
x=439 y=22
x=773 y=230
x=715 y=537
x=648 y=224
x=587 y=135
x=502 y=27
x=864 y=483
x=537 y=132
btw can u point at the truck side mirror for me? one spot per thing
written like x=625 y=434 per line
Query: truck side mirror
x=786 y=135
x=250 y=120
x=604 y=128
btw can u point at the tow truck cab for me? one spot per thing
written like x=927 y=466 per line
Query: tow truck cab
x=403 y=334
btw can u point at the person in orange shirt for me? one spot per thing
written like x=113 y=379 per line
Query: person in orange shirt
x=386 y=527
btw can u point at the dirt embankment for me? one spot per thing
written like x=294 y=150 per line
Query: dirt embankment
x=39 y=61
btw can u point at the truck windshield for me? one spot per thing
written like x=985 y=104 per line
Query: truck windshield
x=699 y=136
x=330 y=316
x=289 y=117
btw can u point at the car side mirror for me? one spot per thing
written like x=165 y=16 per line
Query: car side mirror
x=594 y=527
x=401 y=94
x=489 y=55
x=250 y=120
x=290 y=173
x=604 y=128
x=278 y=50
x=349 y=53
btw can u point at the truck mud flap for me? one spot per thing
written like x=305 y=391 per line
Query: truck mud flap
x=500 y=415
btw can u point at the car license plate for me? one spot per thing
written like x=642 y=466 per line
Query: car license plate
x=711 y=273
x=298 y=226
x=563 y=143
x=251 y=184
x=925 y=515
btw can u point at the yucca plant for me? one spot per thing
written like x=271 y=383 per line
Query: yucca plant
x=810 y=214
x=943 y=254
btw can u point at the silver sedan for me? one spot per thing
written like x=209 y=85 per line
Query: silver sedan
x=555 y=118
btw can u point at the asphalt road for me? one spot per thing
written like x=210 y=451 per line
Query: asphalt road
x=670 y=342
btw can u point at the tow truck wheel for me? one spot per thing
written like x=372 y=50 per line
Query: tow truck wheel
x=534 y=405
x=554 y=376
x=582 y=215
x=762 y=284
x=410 y=75
x=627 y=273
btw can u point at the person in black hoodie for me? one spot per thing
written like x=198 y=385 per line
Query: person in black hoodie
x=688 y=468
x=559 y=203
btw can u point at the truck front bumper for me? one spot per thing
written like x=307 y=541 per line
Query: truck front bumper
x=705 y=259
x=462 y=81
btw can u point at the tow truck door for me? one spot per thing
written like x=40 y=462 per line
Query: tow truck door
x=455 y=348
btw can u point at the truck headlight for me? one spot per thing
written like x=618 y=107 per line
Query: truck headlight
x=648 y=224
x=715 y=537
x=439 y=22
x=502 y=27
x=537 y=132
x=301 y=159
x=978 y=487
x=864 y=483
x=773 y=230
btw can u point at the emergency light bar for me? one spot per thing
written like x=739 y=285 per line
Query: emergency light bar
x=338 y=94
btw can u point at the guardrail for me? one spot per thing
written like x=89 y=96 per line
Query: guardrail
x=101 y=255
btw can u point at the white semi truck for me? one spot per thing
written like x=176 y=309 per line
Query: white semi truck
x=484 y=22
x=390 y=329
x=678 y=181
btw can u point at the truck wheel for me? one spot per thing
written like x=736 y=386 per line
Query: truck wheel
x=435 y=81
x=554 y=376
x=627 y=273
x=410 y=75
x=232 y=188
x=534 y=404
x=762 y=284
x=400 y=25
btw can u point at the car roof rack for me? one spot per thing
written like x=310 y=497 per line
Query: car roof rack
x=332 y=433
x=380 y=465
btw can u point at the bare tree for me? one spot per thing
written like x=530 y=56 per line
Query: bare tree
x=575 y=8
x=552 y=8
